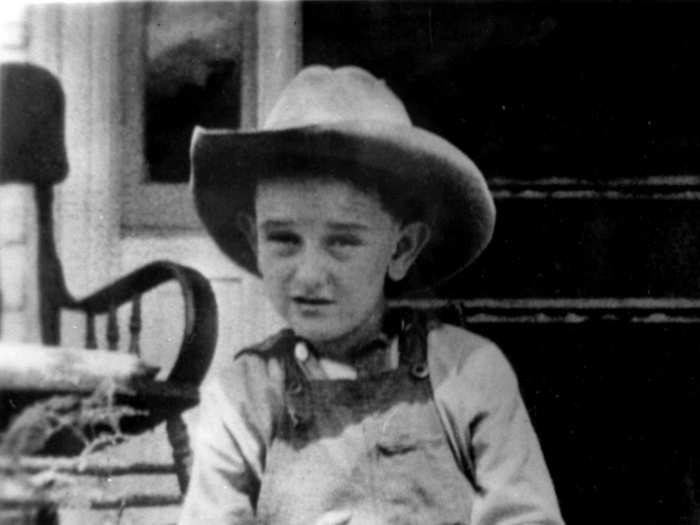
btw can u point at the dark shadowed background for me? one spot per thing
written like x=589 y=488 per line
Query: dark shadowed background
x=586 y=120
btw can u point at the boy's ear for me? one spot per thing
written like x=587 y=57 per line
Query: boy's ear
x=411 y=241
x=246 y=224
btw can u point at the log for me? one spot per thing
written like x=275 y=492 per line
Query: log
x=91 y=465
x=38 y=368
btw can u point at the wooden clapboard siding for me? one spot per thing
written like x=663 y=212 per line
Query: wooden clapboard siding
x=610 y=241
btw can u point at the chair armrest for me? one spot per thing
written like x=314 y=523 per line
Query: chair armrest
x=144 y=402
x=200 y=323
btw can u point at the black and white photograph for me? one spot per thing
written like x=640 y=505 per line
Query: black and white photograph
x=358 y=262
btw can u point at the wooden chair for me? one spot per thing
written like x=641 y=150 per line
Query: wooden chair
x=32 y=151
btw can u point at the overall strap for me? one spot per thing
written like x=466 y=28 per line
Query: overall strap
x=413 y=342
x=297 y=391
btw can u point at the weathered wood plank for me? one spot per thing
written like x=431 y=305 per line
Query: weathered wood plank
x=58 y=369
x=94 y=465
x=564 y=310
x=587 y=248
x=669 y=187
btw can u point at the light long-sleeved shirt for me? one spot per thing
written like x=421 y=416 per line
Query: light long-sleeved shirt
x=480 y=407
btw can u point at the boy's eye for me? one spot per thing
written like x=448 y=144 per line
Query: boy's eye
x=344 y=241
x=282 y=239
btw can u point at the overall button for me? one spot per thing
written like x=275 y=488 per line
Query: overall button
x=301 y=352
x=295 y=388
x=420 y=370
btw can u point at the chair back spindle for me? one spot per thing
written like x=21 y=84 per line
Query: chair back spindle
x=135 y=326
x=112 y=328
x=90 y=334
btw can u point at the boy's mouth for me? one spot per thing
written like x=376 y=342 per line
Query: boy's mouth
x=311 y=301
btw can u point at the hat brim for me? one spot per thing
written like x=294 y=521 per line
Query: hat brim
x=226 y=166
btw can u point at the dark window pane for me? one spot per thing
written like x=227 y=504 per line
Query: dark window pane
x=192 y=78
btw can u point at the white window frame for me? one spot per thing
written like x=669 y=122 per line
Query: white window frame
x=271 y=56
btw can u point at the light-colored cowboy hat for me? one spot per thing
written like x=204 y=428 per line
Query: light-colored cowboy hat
x=329 y=119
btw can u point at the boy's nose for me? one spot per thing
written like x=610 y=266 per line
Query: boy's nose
x=310 y=272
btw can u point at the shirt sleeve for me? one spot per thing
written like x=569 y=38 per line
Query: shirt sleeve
x=235 y=425
x=488 y=425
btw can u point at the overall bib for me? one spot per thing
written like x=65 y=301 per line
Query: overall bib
x=374 y=446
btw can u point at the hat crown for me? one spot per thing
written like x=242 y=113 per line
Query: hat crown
x=321 y=95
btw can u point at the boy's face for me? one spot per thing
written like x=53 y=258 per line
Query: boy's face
x=324 y=249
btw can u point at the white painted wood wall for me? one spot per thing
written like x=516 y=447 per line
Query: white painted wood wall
x=16 y=213
x=107 y=222
x=95 y=51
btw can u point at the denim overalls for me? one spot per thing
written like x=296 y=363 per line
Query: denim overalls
x=374 y=445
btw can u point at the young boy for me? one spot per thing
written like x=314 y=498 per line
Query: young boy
x=356 y=413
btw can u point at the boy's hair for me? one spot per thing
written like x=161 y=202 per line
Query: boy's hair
x=403 y=204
